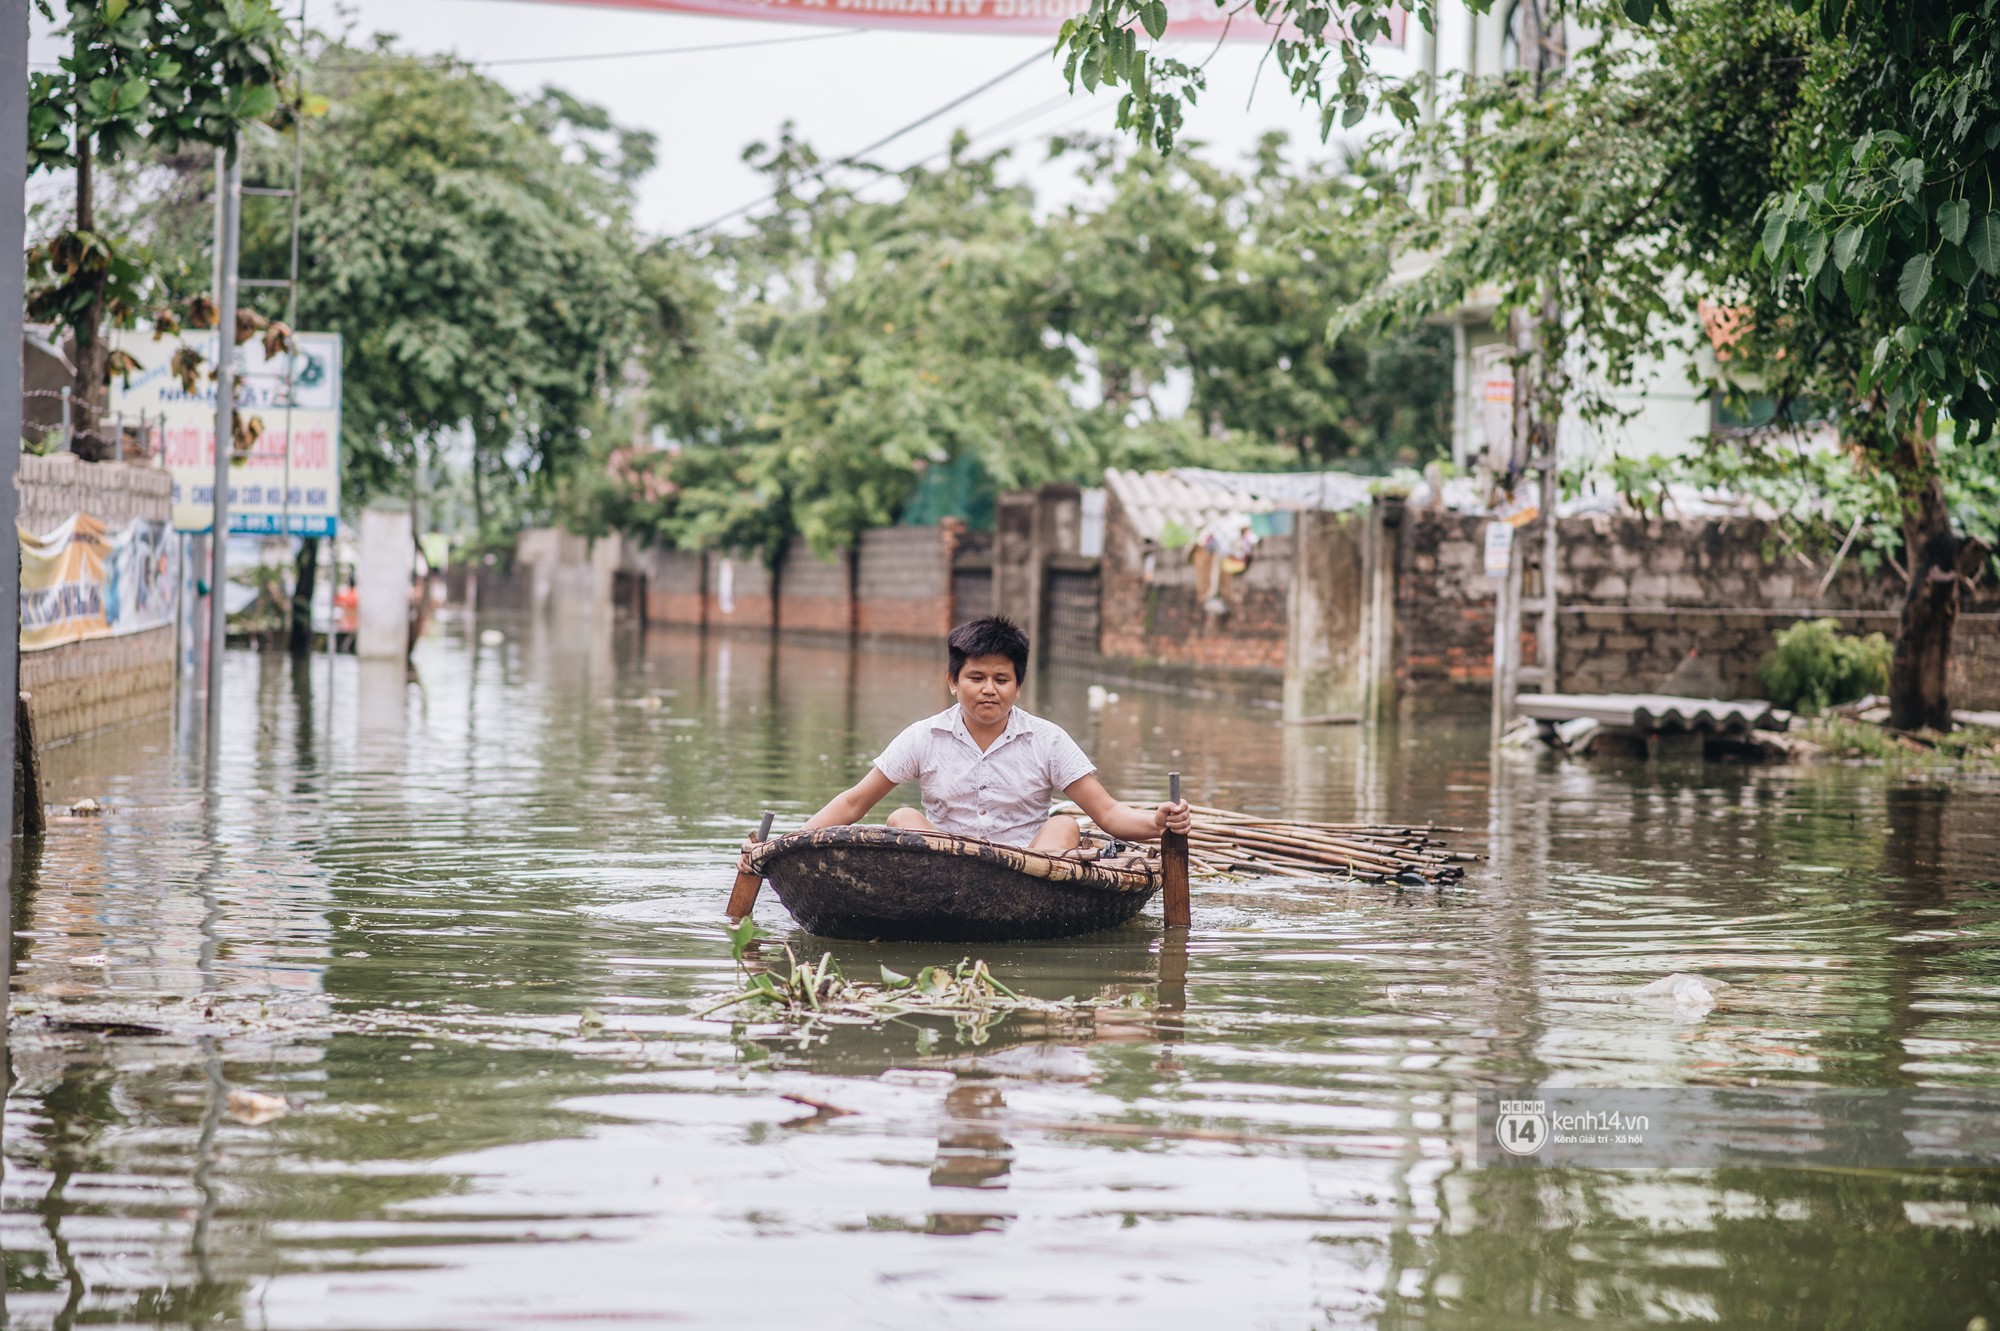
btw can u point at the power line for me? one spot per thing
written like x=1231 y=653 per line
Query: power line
x=670 y=50
x=852 y=158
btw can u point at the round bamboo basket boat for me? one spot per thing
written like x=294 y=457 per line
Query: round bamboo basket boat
x=890 y=884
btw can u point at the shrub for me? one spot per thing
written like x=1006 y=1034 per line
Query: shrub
x=1816 y=666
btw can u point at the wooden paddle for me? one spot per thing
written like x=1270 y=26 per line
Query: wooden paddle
x=1174 y=866
x=743 y=897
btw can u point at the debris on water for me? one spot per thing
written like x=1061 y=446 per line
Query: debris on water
x=94 y=959
x=93 y=1026
x=86 y=807
x=491 y=637
x=818 y=992
x=1692 y=996
x=1034 y=1062
x=590 y=1021
x=932 y=1078
x=255 y=1107
x=820 y=1108
x=649 y=703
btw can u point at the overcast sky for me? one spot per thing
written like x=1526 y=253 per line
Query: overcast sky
x=843 y=87
x=844 y=90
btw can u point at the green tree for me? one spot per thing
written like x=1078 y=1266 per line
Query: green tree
x=846 y=344
x=139 y=74
x=1228 y=277
x=1822 y=172
x=472 y=247
x=814 y=372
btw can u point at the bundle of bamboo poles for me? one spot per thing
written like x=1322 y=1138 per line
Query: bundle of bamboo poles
x=1226 y=844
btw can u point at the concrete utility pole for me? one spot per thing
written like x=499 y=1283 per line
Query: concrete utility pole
x=13 y=298
x=228 y=224
x=1533 y=449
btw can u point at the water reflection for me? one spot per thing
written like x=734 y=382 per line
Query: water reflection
x=397 y=917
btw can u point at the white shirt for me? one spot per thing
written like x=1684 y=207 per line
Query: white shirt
x=1003 y=794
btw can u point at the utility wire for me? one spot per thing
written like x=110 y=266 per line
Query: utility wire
x=853 y=158
x=671 y=50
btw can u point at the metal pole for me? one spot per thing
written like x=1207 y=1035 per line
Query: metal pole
x=229 y=218
x=292 y=286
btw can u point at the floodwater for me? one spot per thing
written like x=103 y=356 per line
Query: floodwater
x=401 y=897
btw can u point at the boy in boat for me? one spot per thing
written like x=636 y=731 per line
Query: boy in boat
x=987 y=769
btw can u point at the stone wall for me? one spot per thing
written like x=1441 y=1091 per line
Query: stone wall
x=84 y=686
x=1648 y=605
x=1154 y=612
x=1443 y=651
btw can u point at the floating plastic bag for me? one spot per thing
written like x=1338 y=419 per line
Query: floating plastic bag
x=1692 y=996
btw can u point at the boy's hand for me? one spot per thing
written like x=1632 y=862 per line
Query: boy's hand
x=1173 y=817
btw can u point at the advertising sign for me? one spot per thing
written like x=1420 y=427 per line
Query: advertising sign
x=290 y=481
x=78 y=582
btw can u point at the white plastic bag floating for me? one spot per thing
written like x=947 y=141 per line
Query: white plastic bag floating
x=1692 y=996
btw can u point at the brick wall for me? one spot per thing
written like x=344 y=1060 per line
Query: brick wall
x=903 y=583
x=815 y=595
x=84 y=686
x=1648 y=605
x=1158 y=617
x=749 y=579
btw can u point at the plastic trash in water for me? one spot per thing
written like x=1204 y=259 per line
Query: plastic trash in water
x=1692 y=996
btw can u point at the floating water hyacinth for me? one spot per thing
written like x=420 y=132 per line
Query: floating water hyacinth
x=819 y=991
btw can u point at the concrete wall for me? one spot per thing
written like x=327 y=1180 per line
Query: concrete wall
x=84 y=686
x=1330 y=641
x=114 y=493
x=676 y=586
x=815 y=595
x=903 y=582
x=740 y=592
x=1154 y=613
x=896 y=583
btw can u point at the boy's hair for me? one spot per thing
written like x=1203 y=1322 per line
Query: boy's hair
x=991 y=635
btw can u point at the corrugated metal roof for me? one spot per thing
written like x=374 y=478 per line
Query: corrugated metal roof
x=1653 y=711
x=1192 y=497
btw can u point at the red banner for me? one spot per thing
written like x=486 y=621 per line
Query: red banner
x=1202 y=19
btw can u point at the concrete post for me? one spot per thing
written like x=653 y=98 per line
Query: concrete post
x=387 y=561
x=1325 y=638
x=13 y=213
x=1383 y=542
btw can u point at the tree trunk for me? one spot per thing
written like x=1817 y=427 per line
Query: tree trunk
x=301 y=640
x=93 y=355
x=1917 y=675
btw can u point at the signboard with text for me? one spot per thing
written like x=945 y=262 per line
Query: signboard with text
x=290 y=479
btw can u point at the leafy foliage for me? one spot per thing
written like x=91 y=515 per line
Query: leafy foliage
x=812 y=372
x=1884 y=251
x=157 y=75
x=1815 y=666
